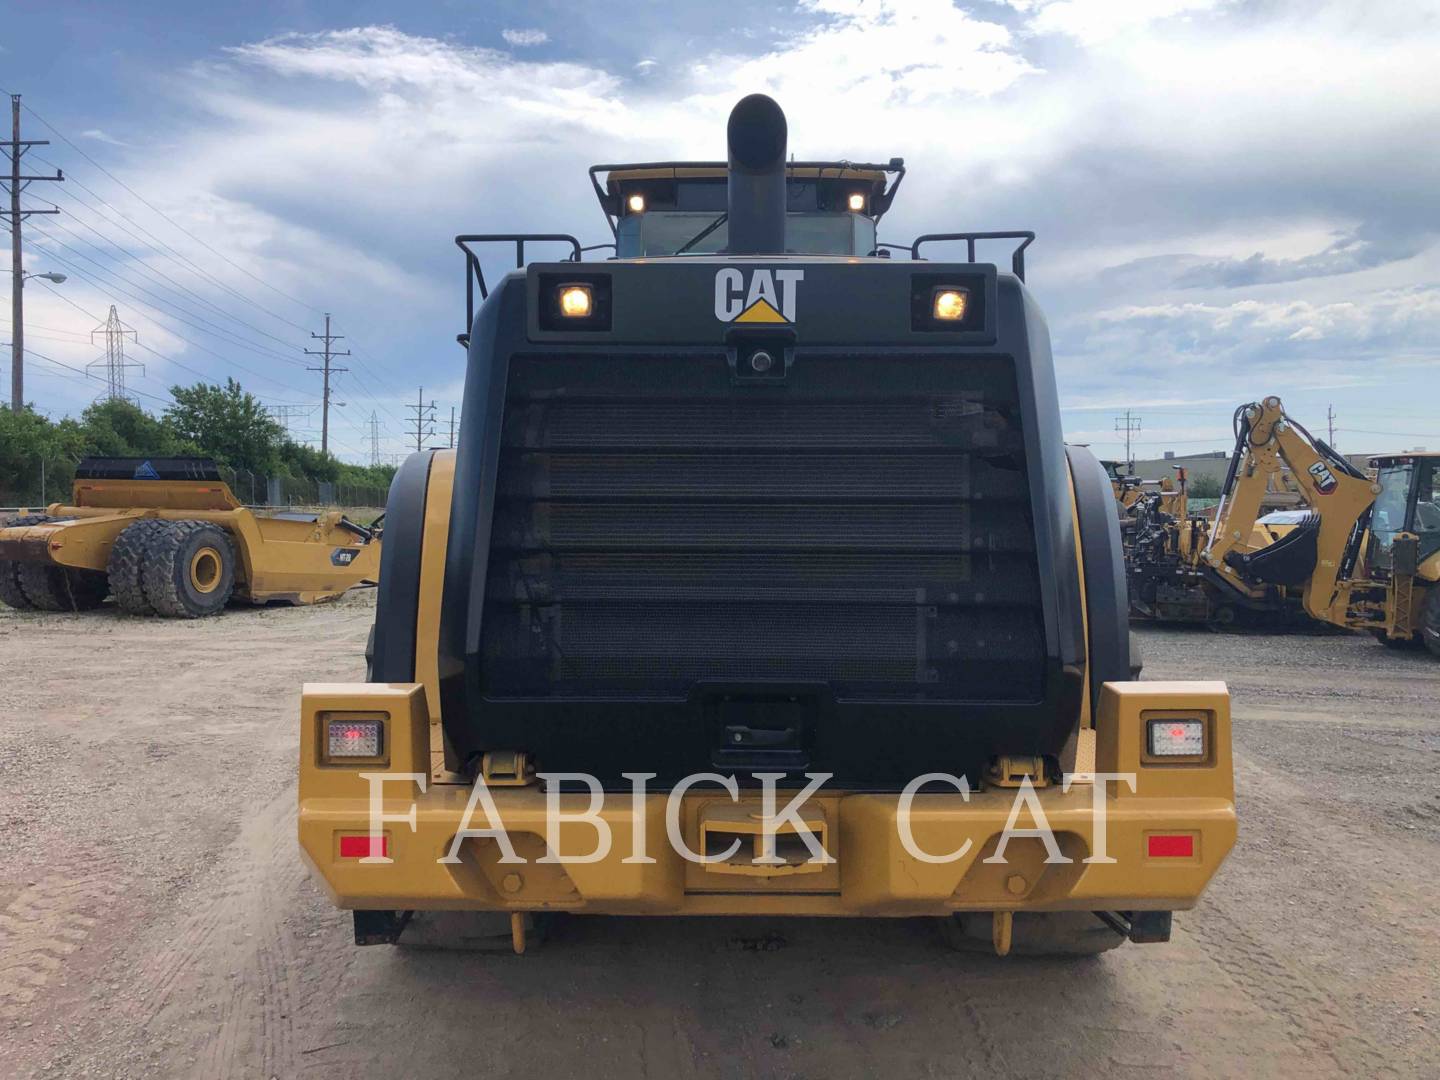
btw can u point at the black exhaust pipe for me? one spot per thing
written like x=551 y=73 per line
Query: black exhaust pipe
x=756 y=134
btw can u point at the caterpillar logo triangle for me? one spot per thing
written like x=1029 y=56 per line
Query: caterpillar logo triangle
x=146 y=471
x=757 y=295
x=760 y=311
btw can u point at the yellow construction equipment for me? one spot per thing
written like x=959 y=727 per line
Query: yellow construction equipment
x=1367 y=554
x=166 y=536
x=761 y=583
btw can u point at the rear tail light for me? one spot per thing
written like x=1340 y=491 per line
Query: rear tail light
x=1181 y=846
x=1176 y=738
x=354 y=738
x=363 y=847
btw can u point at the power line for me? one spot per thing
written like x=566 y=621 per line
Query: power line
x=158 y=316
x=15 y=148
x=200 y=323
x=174 y=224
x=328 y=353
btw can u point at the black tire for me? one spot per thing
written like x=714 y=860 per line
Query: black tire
x=1430 y=621
x=1405 y=644
x=11 y=592
x=188 y=570
x=126 y=565
x=1035 y=933
x=61 y=588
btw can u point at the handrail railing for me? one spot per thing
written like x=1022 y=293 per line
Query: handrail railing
x=1017 y=257
x=474 y=275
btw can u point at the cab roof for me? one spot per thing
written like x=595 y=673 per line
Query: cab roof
x=870 y=175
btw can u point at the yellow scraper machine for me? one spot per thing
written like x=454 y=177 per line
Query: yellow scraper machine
x=761 y=583
x=166 y=536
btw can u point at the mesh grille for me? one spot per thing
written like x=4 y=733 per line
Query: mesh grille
x=866 y=525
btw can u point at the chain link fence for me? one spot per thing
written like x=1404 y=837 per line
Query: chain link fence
x=44 y=481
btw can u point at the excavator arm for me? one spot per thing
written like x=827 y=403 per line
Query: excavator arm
x=1321 y=554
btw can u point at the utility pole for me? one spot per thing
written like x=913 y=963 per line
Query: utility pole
x=1330 y=420
x=329 y=354
x=16 y=183
x=114 y=361
x=422 y=420
x=452 y=427
x=1129 y=425
x=374 y=439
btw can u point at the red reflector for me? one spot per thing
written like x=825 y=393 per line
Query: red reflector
x=1162 y=847
x=359 y=847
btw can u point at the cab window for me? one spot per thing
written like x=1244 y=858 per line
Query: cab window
x=1388 y=516
x=664 y=232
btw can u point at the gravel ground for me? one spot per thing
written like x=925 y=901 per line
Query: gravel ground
x=155 y=919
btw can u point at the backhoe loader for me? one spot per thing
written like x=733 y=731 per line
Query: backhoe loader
x=1367 y=554
x=754 y=514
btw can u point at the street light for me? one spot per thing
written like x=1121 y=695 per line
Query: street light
x=49 y=275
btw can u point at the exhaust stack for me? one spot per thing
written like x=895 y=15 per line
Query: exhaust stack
x=756 y=134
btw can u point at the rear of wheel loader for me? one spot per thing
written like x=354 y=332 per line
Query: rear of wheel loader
x=762 y=584
x=166 y=536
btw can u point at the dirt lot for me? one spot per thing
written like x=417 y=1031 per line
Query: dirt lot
x=155 y=919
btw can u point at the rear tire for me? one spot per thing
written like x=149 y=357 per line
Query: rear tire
x=11 y=591
x=1034 y=933
x=1430 y=621
x=62 y=588
x=1401 y=643
x=188 y=569
x=126 y=565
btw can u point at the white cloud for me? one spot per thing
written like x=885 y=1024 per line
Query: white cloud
x=524 y=38
x=1092 y=21
x=100 y=136
x=1270 y=154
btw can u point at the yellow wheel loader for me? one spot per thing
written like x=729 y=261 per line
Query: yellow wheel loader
x=761 y=583
x=166 y=536
x=1366 y=554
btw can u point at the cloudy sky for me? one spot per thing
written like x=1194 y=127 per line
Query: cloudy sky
x=1233 y=197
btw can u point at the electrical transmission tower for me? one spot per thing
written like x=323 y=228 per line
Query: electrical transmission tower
x=14 y=185
x=285 y=415
x=452 y=427
x=374 y=439
x=1129 y=425
x=1330 y=420
x=329 y=354
x=114 y=362
x=422 y=420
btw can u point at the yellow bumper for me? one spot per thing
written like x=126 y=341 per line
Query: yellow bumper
x=1190 y=807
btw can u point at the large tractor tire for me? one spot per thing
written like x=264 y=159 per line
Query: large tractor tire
x=126 y=566
x=1034 y=933
x=188 y=570
x=1430 y=621
x=11 y=592
x=59 y=588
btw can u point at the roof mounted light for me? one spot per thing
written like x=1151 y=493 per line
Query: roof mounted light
x=636 y=203
x=857 y=202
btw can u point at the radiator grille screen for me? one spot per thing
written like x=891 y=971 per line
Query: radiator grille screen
x=866 y=524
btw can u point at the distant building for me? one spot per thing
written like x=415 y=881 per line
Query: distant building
x=1211 y=463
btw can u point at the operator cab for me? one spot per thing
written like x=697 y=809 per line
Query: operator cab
x=1408 y=503
x=832 y=208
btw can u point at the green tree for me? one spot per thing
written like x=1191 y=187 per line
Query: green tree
x=1203 y=487
x=37 y=457
x=227 y=424
x=122 y=429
